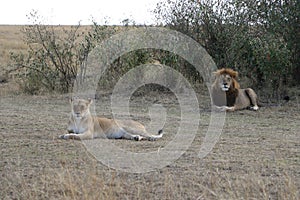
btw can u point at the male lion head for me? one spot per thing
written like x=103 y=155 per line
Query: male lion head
x=226 y=79
x=80 y=107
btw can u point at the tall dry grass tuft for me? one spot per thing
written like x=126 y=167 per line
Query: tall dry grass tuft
x=94 y=182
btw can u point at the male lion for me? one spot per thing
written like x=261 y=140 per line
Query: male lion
x=227 y=95
x=82 y=125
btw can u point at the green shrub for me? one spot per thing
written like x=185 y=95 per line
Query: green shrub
x=257 y=38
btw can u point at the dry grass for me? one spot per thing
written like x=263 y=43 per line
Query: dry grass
x=257 y=156
x=11 y=41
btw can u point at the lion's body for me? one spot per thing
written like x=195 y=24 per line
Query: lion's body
x=82 y=125
x=227 y=95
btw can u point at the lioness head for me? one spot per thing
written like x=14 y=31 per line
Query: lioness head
x=226 y=79
x=80 y=107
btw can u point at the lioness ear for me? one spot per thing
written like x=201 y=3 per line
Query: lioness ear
x=90 y=101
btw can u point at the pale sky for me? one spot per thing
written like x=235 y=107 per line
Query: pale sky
x=70 y=12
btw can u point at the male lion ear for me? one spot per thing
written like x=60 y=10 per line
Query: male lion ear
x=235 y=74
x=216 y=73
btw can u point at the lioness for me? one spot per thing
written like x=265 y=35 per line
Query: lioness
x=227 y=95
x=82 y=125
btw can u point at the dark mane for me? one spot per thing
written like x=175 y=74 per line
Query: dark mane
x=231 y=96
x=228 y=98
x=232 y=73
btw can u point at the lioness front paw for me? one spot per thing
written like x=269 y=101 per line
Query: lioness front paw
x=62 y=137
x=152 y=139
x=137 y=137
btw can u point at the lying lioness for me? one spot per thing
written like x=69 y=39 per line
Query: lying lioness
x=82 y=125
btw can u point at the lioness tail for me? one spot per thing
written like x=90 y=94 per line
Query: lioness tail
x=159 y=135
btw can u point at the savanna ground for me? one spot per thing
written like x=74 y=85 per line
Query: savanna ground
x=256 y=157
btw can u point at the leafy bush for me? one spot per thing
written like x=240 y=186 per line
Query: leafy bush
x=257 y=38
x=135 y=58
x=54 y=57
